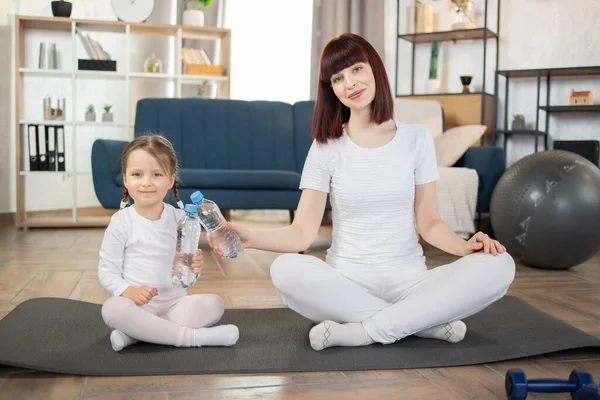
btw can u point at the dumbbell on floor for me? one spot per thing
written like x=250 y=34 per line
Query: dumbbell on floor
x=580 y=385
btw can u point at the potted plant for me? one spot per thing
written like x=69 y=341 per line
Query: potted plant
x=195 y=15
x=518 y=123
x=90 y=114
x=107 y=116
x=434 y=82
x=61 y=8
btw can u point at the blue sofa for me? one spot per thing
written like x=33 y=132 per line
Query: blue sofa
x=242 y=154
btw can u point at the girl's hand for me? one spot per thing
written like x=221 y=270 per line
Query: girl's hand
x=197 y=262
x=243 y=233
x=481 y=241
x=141 y=295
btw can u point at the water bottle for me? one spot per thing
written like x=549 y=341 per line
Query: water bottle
x=188 y=236
x=213 y=221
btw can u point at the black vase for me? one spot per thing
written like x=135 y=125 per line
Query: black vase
x=466 y=81
x=62 y=9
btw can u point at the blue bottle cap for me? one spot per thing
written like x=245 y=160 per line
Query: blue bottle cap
x=191 y=208
x=197 y=197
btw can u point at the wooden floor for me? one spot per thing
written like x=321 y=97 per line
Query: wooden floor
x=63 y=263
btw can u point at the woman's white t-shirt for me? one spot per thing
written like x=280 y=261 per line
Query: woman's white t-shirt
x=372 y=193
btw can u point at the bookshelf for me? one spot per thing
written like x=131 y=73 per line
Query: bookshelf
x=33 y=188
x=548 y=74
x=459 y=108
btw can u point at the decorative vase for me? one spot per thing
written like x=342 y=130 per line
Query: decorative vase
x=61 y=8
x=461 y=18
x=153 y=64
x=90 y=117
x=193 y=17
x=466 y=81
x=107 y=117
x=518 y=125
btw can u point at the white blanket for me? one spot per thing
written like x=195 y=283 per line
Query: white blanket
x=457 y=199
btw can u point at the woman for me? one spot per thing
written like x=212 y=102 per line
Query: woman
x=374 y=286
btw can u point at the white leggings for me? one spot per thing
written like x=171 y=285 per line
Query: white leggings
x=168 y=322
x=392 y=304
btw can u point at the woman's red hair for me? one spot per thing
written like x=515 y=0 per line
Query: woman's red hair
x=330 y=114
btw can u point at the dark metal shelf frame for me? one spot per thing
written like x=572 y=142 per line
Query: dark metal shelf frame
x=548 y=73
x=483 y=33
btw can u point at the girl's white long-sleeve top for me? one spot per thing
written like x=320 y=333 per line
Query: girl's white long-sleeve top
x=138 y=252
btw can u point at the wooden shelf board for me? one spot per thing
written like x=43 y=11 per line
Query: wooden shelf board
x=46 y=122
x=100 y=74
x=196 y=79
x=71 y=173
x=149 y=75
x=153 y=29
x=103 y=124
x=101 y=26
x=190 y=32
x=552 y=72
x=521 y=132
x=45 y=72
x=50 y=23
x=56 y=23
x=444 y=94
x=64 y=27
x=65 y=222
x=590 y=108
x=444 y=36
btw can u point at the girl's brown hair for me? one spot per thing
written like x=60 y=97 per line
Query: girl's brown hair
x=330 y=114
x=163 y=152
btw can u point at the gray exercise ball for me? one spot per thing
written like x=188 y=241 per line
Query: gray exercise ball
x=545 y=209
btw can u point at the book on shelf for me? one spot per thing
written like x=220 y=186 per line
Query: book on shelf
x=46 y=147
x=93 y=48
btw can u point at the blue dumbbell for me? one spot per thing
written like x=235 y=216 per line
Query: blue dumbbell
x=580 y=385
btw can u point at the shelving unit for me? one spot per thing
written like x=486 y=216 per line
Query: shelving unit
x=28 y=96
x=548 y=74
x=459 y=108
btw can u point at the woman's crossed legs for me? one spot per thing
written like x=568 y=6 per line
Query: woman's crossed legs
x=358 y=307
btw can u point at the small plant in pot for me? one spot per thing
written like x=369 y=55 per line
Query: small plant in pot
x=518 y=123
x=195 y=15
x=61 y=8
x=90 y=114
x=107 y=116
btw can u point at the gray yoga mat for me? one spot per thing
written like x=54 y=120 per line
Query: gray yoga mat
x=68 y=336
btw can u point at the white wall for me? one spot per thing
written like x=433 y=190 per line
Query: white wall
x=533 y=34
x=276 y=51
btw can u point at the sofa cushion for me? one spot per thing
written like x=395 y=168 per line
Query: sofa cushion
x=234 y=179
x=239 y=179
x=427 y=113
x=222 y=134
x=451 y=146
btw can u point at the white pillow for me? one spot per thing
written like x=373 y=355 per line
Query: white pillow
x=451 y=146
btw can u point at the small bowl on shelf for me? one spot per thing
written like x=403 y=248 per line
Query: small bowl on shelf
x=62 y=9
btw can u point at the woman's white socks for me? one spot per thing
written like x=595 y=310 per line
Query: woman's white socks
x=329 y=333
x=452 y=332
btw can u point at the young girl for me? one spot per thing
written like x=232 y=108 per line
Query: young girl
x=136 y=258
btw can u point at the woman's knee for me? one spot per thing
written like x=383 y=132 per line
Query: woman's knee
x=503 y=267
x=284 y=270
x=113 y=308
